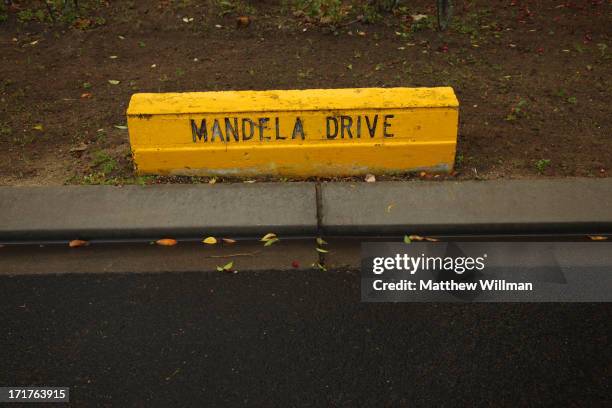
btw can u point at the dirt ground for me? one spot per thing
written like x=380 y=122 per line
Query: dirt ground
x=534 y=78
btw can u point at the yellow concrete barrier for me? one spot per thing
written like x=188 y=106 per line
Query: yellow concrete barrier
x=315 y=132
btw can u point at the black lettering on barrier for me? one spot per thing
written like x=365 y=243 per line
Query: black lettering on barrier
x=386 y=125
x=371 y=129
x=358 y=127
x=277 y=126
x=298 y=128
x=262 y=126
x=252 y=129
x=345 y=124
x=216 y=131
x=232 y=129
x=329 y=134
x=200 y=133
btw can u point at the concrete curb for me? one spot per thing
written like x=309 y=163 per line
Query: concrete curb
x=131 y=212
x=469 y=207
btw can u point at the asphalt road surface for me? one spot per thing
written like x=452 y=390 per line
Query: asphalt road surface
x=298 y=338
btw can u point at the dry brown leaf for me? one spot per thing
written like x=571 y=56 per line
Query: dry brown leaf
x=370 y=178
x=166 y=242
x=431 y=239
x=79 y=148
x=228 y=240
x=243 y=21
x=597 y=238
x=77 y=243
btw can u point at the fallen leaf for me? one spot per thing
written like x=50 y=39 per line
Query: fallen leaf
x=407 y=239
x=243 y=21
x=295 y=264
x=86 y=95
x=38 y=127
x=268 y=237
x=321 y=241
x=79 y=148
x=77 y=243
x=213 y=180
x=597 y=238
x=271 y=241
x=122 y=127
x=321 y=250
x=370 y=178
x=420 y=238
x=210 y=240
x=418 y=17
x=81 y=23
x=114 y=82
x=166 y=242
x=227 y=267
x=113 y=57
x=228 y=240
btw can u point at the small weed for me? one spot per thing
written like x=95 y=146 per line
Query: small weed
x=143 y=180
x=517 y=111
x=579 y=48
x=3 y=13
x=59 y=11
x=234 y=7
x=542 y=164
x=370 y=13
x=562 y=93
x=425 y=23
x=25 y=16
x=326 y=11
x=104 y=162
x=458 y=160
x=307 y=73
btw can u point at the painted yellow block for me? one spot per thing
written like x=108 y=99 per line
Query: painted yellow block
x=315 y=132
